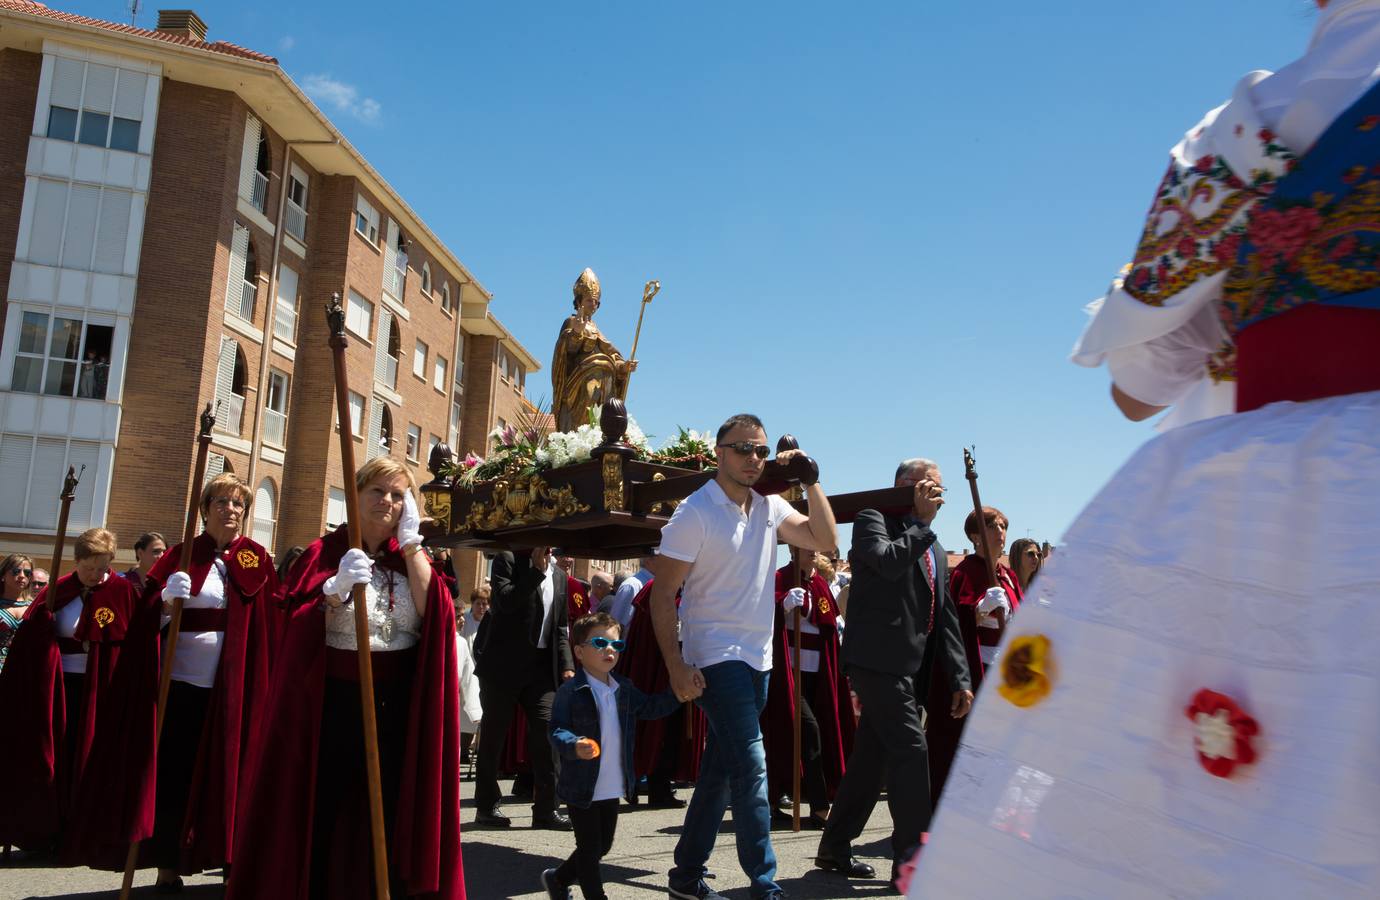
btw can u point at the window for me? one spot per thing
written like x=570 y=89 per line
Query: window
x=385 y=429
x=31 y=474
x=215 y=464
x=432 y=442
x=232 y=373
x=295 y=214
x=388 y=350
x=459 y=358
x=521 y=377
x=264 y=519
x=285 y=305
x=80 y=226
x=359 y=316
x=414 y=441
x=445 y=297
x=457 y=411
x=395 y=262
x=366 y=220
x=275 y=409
x=96 y=105
x=438 y=380
x=335 y=508
x=254 y=165
x=419 y=360
x=62 y=357
x=356 y=414
x=426 y=278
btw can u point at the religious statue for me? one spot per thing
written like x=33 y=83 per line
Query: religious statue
x=587 y=369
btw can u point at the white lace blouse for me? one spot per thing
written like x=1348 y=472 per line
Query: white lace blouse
x=394 y=623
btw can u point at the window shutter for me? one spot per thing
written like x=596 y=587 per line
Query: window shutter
x=234 y=281
x=263 y=514
x=46 y=483
x=80 y=234
x=100 y=88
x=390 y=259
x=82 y=453
x=225 y=378
x=67 y=79
x=215 y=465
x=112 y=232
x=335 y=508
x=249 y=155
x=381 y=347
x=129 y=95
x=372 y=448
x=50 y=207
x=16 y=452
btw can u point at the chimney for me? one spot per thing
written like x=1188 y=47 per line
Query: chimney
x=184 y=22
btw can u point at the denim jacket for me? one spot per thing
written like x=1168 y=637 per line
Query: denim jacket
x=575 y=714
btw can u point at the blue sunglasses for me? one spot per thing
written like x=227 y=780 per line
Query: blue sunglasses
x=603 y=643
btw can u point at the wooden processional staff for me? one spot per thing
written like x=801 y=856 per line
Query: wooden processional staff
x=335 y=317
x=970 y=472
x=203 y=448
x=649 y=290
x=789 y=442
x=69 y=492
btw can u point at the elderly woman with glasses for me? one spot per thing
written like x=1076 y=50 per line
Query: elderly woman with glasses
x=15 y=574
x=231 y=619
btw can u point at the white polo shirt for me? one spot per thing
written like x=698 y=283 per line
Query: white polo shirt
x=728 y=604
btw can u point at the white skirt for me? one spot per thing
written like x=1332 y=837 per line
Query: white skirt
x=1240 y=554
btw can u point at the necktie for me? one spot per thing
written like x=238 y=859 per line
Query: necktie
x=929 y=580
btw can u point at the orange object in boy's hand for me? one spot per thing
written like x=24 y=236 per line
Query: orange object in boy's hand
x=587 y=748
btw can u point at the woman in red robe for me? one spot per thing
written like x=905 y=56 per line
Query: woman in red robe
x=308 y=801
x=231 y=622
x=80 y=685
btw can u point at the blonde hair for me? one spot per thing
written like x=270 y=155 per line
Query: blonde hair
x=95 y=542
x=225 y=482
x=382 y=467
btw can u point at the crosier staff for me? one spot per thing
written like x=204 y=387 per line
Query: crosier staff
x=69 y=492
x=970 y=472
x=203 y=449
x=649 y=290
x=335 y=317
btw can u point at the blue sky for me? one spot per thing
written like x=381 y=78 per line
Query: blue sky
x=875 y=223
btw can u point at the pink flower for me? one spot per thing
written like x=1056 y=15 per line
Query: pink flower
x=509 y=436
x=471 y=461
x=1283 y=233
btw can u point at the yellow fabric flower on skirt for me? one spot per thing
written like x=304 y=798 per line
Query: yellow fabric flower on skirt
x=1027 y=670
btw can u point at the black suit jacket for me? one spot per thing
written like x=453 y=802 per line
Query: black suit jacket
x=513 y=625
x=889 y=604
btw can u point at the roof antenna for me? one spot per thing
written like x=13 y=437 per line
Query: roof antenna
x=135 y=6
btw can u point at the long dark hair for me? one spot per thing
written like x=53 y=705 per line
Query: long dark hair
x=12 y=562
x=1017 y=553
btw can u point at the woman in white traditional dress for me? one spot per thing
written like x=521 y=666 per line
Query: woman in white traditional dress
x=1191 y=706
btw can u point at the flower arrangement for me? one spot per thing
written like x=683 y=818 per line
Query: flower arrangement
x=689 y=449
x=1222 y=733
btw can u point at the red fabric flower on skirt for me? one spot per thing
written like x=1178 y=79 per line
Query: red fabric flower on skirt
x=1223 y=733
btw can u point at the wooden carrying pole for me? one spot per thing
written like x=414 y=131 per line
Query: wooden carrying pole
x=69 y=491
x=203 y=447
x=970 y=472
x=335 y=316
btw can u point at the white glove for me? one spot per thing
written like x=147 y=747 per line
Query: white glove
x=179 y=585
x=795 y=597
x=355 y=568
x=410 y=523
x=993 y=600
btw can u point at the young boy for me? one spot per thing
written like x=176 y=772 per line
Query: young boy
x=592 y=728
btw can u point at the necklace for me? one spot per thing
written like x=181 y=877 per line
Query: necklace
x=386 y=626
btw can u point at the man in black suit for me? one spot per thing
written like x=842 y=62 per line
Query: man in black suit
x=526 y=655
x=900 y=620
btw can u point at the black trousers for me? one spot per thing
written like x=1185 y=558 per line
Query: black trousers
x=668 y=754
x=184 y=720
x=499 y=698
x=813 y=785
x=594 y=828
x=889 y=745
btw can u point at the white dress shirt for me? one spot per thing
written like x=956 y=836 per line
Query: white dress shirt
x=609 y=785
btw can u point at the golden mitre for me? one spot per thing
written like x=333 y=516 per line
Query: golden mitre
x=587 y=284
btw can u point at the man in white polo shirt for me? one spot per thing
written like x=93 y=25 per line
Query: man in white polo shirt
x=721 y=545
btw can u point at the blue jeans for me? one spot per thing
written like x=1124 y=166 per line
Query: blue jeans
x=732 y=770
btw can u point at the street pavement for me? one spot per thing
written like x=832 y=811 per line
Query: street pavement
x=507 y=863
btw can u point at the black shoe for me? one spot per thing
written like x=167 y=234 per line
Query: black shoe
x=554 y=820
x=554 y=889
x=774 y=895
x=171 y=886
x=492 y=818
x=697 y=891
x=521 y=792
x=665 y=800
x=853 y=868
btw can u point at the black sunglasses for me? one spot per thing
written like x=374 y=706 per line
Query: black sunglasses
x=748 y=448
x=27 y=573
x=603 y=643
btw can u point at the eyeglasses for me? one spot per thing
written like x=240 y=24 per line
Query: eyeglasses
x=603 y=643
x=748 y=448
x=1032 y=552
x=40 y=584
x=27 y=573
x=228 y=502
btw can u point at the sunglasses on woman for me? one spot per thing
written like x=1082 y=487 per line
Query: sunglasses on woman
x=27 y=573
x=748 y=448
x=603 y=643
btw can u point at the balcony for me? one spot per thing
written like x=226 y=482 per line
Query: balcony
x=230 y=417
x=395 y=279
x=295 y=221
x=388 y=373
x=284 y=322
x=275 y=428
x=259 y=197
x=245 y=310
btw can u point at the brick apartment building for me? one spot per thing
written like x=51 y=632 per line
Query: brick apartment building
x=174 y=213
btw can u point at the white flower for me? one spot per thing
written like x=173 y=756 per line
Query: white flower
x=1216 y=738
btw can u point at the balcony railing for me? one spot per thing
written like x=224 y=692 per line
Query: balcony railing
x=230 y=418
x=248 y=291
x=259 y=197
x=295 y=221
x=395 y=280
x=284 y=322
x=275 y=427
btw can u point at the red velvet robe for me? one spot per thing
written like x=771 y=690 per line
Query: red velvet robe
x=273 y=855
x=832 y=703
x=90 y=782
x=968 y=582
x=254 y=625
x=643 y=663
